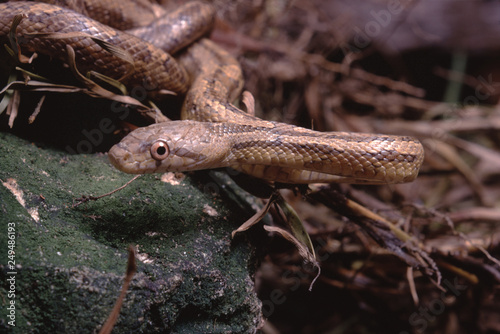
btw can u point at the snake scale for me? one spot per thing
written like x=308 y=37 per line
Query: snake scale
x=212 y=133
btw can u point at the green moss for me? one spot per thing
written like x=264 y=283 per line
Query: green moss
x=72 y=259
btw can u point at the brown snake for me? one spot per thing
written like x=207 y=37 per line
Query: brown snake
x=213 y=133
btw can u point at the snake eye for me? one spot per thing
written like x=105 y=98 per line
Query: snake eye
x=159 y=150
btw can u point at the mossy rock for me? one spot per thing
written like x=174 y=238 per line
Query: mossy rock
x=70 y=261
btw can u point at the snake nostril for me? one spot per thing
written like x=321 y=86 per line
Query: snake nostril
x=160 y=150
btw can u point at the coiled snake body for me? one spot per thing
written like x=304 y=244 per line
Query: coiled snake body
x=213 y=133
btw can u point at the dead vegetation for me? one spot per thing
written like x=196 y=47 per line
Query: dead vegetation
x=412 y=258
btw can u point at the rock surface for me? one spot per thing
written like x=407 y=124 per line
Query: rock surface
x=70 y=261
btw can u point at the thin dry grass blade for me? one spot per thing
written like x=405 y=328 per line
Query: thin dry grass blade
x=303 y=249
x=13 y=107
x=257 y=217
x=113 y=316
x=110 y=81
x=37 y=110
x=16 y=48
x=94 y=88
x=296 y=226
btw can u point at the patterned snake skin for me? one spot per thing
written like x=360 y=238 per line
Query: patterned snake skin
x=213 y=133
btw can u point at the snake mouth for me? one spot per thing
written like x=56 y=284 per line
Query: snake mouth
x=121 y=159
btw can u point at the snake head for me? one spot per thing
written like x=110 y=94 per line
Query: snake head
x=176 y=146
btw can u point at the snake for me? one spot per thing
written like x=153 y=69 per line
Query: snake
x=212 y=132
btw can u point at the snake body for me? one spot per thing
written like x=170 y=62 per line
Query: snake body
x=277 y=152
x=213 y=132
x=150 y=67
